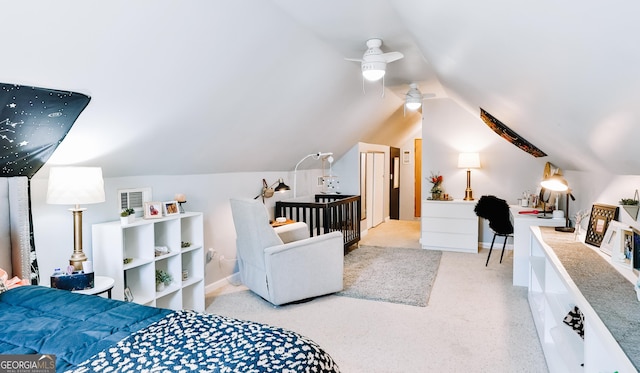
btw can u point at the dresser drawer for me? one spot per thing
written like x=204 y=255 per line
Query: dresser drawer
x=450 y=225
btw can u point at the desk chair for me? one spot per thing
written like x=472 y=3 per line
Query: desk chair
x=495 y=210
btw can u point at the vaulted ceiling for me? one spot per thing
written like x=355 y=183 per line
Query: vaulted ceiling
x=201 y=86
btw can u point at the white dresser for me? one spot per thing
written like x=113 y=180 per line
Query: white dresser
x=522 y=224
x=449 y=226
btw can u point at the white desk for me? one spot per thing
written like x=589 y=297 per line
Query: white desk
x=449 y=226
x=522 y=239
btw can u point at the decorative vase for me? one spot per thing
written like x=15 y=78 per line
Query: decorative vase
x=127 y=219
x=160 y=286
x=632 y=210
x=436 y=196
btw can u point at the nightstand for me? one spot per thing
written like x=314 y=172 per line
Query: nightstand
x=101 y=284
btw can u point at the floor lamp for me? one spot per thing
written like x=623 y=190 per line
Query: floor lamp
x=75 y=186
x=315 y=156
x=468 y=161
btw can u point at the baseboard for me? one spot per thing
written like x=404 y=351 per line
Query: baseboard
x=496 y=245
x=233 y=279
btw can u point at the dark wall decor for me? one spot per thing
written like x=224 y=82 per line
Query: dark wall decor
x=33 y=122
x=599 y=220
x=509 y=135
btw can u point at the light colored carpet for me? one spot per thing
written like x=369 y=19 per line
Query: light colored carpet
x=476 y=321
x=387 y=274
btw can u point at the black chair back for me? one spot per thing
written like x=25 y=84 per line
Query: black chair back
x=495 y=210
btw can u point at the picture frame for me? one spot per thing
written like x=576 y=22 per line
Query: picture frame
x=170 y=208
x=128 y=296
x=152 y=210
x=601 y=216
x=612 y=238
x=625 y=250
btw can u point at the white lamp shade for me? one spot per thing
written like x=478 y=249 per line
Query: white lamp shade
x=413 y=104
x=373 y=71
x=75 y=185
x=469 y=160
x=555 y=183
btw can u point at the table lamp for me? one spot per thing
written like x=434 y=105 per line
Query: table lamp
x=468 y=161
x=557 y=183
x=75 y=186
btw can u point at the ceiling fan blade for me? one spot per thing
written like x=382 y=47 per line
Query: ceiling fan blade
x=392 y=56
x=353 y=59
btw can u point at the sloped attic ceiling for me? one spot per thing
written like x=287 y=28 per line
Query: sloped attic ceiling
x=201 y=86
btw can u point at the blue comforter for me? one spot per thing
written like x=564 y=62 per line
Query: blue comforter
x=89 y=333
x=73 y=327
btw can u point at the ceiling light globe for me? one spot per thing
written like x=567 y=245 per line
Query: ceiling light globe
x=373 y=71
x=413 y=105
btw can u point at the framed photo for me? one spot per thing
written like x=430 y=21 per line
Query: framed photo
x=624 y=254
x=152 y=210
x=612 y=238
x=599 y=220
x=170 y=208
x=128 y=296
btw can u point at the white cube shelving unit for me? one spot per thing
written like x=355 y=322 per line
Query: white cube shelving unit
x=113 y=242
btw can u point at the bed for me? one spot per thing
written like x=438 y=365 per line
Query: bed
x=89 y=333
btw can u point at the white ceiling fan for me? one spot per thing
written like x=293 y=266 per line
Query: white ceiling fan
x=374 y=63
x=413 y=97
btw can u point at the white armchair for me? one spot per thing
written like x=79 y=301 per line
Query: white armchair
x=285 y=272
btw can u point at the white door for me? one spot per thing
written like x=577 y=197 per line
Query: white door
x=378 y=188
x=369 y=190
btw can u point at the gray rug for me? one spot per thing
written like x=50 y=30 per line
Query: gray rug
x=389 y=274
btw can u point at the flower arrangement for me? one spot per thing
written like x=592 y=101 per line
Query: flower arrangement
x=436 y=180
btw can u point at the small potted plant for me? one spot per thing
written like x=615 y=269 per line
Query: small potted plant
x=163 y=279
x=127 y=216
x=631 y=205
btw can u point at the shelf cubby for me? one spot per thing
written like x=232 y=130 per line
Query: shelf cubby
x=114 y=242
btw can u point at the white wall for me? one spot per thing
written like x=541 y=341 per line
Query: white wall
x=447 y=130
x=210 y=194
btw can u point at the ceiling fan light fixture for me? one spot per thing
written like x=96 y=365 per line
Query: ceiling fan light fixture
x=413 y=106
x=413 y=98
x=373 y=71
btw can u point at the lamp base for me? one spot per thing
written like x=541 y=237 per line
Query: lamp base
x=76 y=260
x=565 y=229
x=468 y=194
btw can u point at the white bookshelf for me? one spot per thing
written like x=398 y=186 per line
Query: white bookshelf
x=113 y=242
x=552 y=294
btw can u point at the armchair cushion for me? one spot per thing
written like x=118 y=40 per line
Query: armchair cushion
x=292 y=232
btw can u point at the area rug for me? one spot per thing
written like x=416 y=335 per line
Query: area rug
x=389 y=274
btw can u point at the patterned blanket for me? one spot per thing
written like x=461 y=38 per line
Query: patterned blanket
x=191 y=341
